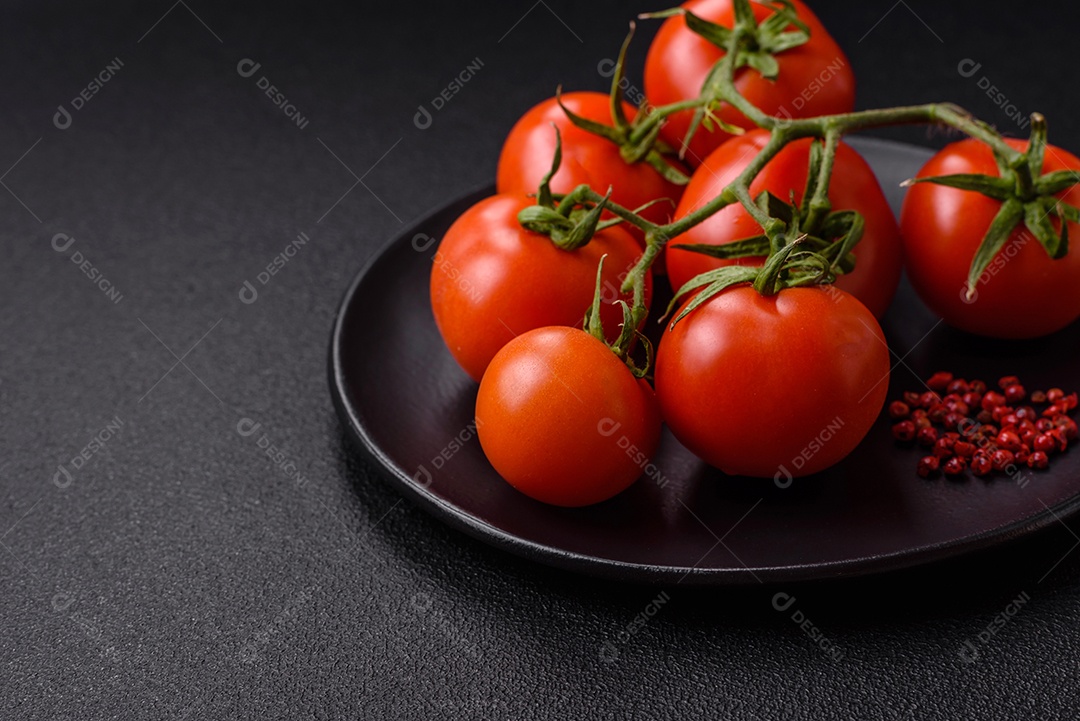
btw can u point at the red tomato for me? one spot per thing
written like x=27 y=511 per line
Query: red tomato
x=492 y=280
x=853 y=187
x=773 y=387
x=1022 y=293
x=814 y=79
x=586 y=158
x=563 y=420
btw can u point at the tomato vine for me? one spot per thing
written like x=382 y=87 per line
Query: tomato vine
x=809 y=244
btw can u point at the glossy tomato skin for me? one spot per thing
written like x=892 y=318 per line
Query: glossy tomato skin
x=815 y=78
x=1023 y=293
x=586 y=158
x=768 y=387
x=879 y=255
x=563 y=420
x=492 y=280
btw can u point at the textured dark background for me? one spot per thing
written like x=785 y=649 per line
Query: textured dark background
x=184 y=573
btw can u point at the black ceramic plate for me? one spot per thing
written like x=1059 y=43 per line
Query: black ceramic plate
x=403 y=398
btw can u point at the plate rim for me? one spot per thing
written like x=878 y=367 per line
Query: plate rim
x=612 y=569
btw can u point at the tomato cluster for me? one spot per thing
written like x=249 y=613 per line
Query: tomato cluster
x=779 y=369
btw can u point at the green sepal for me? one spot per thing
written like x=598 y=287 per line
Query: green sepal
x=1056 y=182
x=716 y=34
x=848 y=226
x=1037 y=220
x=712 y=282
x=1066 y=212
x=764 y=63
x=744 y=13
x=626 y=333
x=1011 y=212
x=591 y=126
x=997 y=188
x=593 y=325
x=767 y=281
x=773 y=35
x=776 y=208
x=543 y=195
x=788 y=40
x=542 y=219
x=584 y=228
x=755 y=247
x=618 y=117
x=650 y=354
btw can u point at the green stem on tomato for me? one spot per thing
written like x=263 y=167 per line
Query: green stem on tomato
x=782 y=132
x=719 y=88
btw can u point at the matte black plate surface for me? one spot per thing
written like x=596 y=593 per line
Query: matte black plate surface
x=402 y=397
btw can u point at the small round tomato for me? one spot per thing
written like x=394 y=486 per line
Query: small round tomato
x=563 y=420
x=773 y=387
x=587 y=159
x=492 y=280
x=879 y=255
x=1022 y=293
x=814 y=78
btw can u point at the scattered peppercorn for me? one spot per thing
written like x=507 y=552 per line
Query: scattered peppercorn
x=1038 y=460
x=955 y=466
x=928 y=466
x=904 y=431
x=899 y=410
x=964 y=425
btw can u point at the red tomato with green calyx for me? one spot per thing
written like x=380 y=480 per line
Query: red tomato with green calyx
x=773 y=387
x=879 y=255
x=492 y=280
x=563 y=420
x=814 y=78
x=1023 y=293
x=587 y=159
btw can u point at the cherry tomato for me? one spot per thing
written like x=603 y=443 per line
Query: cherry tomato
x=1022 y=293
x=586 y=158
x=774 y=387
x=853 y=187
x=492 y=280
x=814 y=79
x=563 y=420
